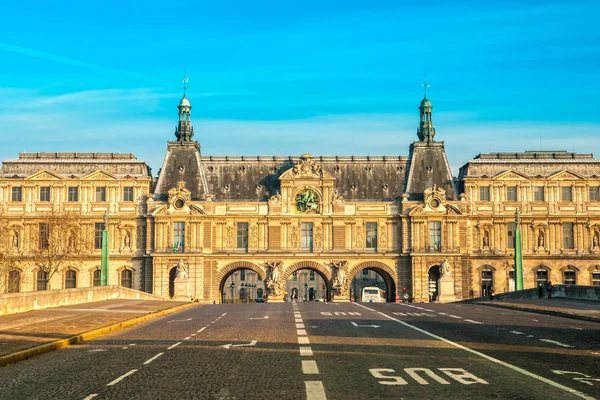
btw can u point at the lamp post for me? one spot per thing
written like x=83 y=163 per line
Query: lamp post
x=254 y=292
x=305 y=291
x=243 y=285
x=232 y=286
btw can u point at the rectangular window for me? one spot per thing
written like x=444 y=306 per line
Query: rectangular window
x=128 y=194
x=365 y=274
x=45 y=193
x=70 y=279
x=307 y=236
x=511 y=227
x=569 y=277
x=97 y=278
x=98 y=229
x=100 y=194
x=44 y=236
x=372 y=235
x=594 y=193
x=541 y=277
x=595 y=278
x=567 y=193
x=538 y=193
x=511 y=193
x=312 y=275
x=243 y=275
x=178 y=236
x=73 y=193
x=17 y=193
x=484 y=193
x=435 y=235
x=568 y=235
x=295 y=276
x=242 y=236
x=42 y=280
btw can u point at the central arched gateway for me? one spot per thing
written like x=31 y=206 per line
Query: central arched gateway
x=249 y=287
x=320 y=269
x=387 y=274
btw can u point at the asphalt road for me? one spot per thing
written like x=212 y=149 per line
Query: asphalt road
x=320 y=351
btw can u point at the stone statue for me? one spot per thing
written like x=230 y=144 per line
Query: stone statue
x=541 y=239
x=181 y=272
x=15 y=239
x=486 y=239
x=340 y=273
x=596 y=240
x=444 y=268
x=127 y=239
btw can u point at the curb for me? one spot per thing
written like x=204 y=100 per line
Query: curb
x=57 y=344
x=541 y=311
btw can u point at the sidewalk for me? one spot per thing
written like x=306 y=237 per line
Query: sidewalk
x=26 y=333
x=571 y=308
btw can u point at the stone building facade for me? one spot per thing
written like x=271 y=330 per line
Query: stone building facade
x=397 y=216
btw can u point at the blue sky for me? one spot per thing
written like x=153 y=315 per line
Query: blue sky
x=320 y=76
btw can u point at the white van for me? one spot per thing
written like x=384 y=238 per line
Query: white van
x=373 y=294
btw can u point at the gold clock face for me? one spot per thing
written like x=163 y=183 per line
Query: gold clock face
x=179 y=203
x=435 y=203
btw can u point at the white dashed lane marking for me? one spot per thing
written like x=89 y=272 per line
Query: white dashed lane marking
x=306 y=352
x=315 y=390
x=175 y=345
x=555 y=342
x=153 y=358
x=119 y=379
x=309 y=367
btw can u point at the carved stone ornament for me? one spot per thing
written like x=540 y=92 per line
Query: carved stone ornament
x=444 y=268
x=383 y=236
x=305 y=168
x=359 y=236
x=294 y=236
x=336 y=197
x=229 y=236
x=253 y=236
x=318 y=236
x=307 y=201
x=276 y=198
x=339 y=279
x=273 y=281
x=435 y=197
x=179 y=198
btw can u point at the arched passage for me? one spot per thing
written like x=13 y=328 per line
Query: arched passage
x=323 y=292
x=433 y=279
x=388 y=278
x=253 y=283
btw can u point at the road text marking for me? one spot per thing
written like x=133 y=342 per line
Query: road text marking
x=364 y=326
x=252 y=343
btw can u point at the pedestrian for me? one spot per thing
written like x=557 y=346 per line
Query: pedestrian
x=540 y=291
x=492 y=293
x=549 y=289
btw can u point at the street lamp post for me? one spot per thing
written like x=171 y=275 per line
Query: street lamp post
x=243 y=292
x=305 y=291
x=232 y=286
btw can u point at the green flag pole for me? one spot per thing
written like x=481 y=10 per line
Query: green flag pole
x=518 y=253
x=104 y=262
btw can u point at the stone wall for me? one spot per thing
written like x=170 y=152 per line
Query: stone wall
x=13 y=303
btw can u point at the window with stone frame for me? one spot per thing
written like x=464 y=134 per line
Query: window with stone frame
x=541 y=277
x=312 y=275
x=365 y=274
x=178 y=236
x=44 y=235
x=16 y=193
x=484 y=193
x=73 y=193
x=45 y=193
x=566 y=193
x=511 y=193
x=307 y=236
x=127 y=278
x=568 y=242
x=242 y=236
x=596 y=278
x=539 y=193
x=128 y=193
x=97 y=277
x=243 y=275
x=295 y=276
x=569 y=277
x=371 y=236
x=435 y=235
x=41 y=281
x=70 y=279
x=511 y=228
x=98 y=229
x=594 y=193
x=100 y=194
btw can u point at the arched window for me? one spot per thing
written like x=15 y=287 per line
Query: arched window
x=70 y=279
x=14 y=281
x=487 y=281
x=127 y=278
x=41 y=280
x=570 y=276
x=596 y=278
x=541 y=277
x=259 y=294
x=97 y=277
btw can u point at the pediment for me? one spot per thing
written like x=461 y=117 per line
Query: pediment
x=306 y=168
x=452 y=210
x=44 y=175
x=162 y=210
x=510 y=175
x=417 y=210
x=99 y=175
x=565 y=175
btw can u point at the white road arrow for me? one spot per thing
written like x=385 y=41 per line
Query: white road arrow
x=365 y=326
x=559 y=372
x=260 y=318
x=252 y=343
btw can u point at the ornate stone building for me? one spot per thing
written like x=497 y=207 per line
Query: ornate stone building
x=397 y=216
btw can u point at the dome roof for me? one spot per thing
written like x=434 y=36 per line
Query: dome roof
x=184 y=102
x=425 y=103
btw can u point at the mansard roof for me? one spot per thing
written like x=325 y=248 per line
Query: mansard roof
x=76 y=165
x=257 y=178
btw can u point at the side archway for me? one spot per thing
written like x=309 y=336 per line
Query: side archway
x=389 y=275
